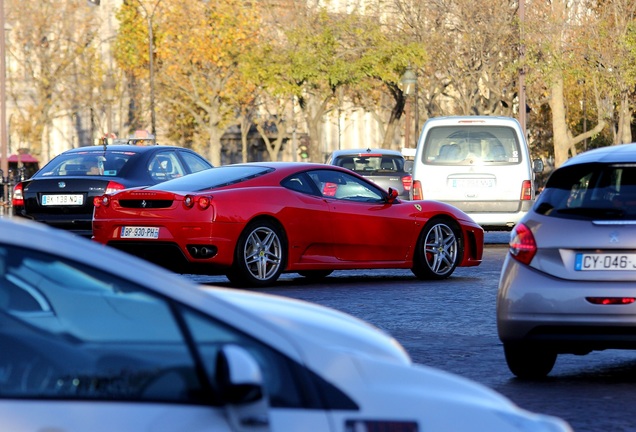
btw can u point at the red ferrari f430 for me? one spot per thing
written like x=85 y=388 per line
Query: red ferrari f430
x=254 y=221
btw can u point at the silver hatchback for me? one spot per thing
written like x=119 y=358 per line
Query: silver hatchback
x=568 y=284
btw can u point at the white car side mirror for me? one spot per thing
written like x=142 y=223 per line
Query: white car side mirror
x=241 y=386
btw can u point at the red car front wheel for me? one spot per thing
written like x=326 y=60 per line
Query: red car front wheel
x=438 y=250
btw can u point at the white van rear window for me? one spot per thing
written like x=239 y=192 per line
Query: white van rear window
x=469 y=145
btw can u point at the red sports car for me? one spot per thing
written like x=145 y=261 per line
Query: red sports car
x=254 y=221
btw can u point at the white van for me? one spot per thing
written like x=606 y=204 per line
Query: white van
x=479 y=164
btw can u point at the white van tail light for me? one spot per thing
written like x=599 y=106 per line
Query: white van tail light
x=526 y=190
x=417 y=190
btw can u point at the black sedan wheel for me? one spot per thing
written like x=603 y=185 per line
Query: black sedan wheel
x=260 y=255
x=438 y=250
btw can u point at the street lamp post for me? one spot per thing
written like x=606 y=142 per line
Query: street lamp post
x=584 y=117
x=151 y=49
x=522 y=71
x=416 y=122
x=4 y=144
x=409 y=85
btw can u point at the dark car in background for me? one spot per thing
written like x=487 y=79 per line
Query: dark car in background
x=61 y=193
x=386 y=168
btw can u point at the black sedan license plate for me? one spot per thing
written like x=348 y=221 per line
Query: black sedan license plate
x=605 y=261
x=63 y=199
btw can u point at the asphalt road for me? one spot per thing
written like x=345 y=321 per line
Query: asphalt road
x=451 y=325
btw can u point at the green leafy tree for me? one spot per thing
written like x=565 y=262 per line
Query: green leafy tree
x=199 y=70
x=325 y=57
x=132 y=54
x=386 y=51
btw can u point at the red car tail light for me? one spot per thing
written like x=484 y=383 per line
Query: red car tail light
x=407 y=182
x=522 y=244
x=113 y=187
x=203 y=202
x=417 y=190
x=526 y=190
x=103 y=200
x=18 y=198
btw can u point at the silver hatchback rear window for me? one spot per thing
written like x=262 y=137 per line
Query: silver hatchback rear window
x=590 y=191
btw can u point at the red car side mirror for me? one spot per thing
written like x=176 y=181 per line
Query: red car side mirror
x=392 y=196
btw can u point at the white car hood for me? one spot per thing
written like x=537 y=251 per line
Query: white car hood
x=316 y=327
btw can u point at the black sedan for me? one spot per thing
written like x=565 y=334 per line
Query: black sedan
x=61 y=193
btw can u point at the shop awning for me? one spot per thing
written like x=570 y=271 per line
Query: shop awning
x=24 y=158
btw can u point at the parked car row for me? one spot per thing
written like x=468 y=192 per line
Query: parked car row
x=560 y=292
x=251 y=222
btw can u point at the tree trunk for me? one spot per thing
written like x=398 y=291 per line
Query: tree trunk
x=245 y=130
x=214 y=149
x=314 y=111
x=559 y=125
x=564 y=142
x=624 y=133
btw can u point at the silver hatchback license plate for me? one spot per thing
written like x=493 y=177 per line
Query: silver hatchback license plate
x=140 y=232
x=605 y=261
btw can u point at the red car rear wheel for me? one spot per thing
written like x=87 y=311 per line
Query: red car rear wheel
x=261 y=254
